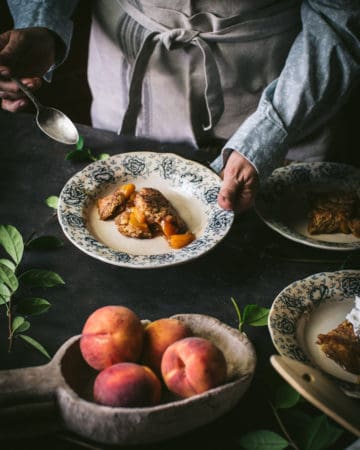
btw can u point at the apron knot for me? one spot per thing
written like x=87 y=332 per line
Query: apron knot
x=177 y=36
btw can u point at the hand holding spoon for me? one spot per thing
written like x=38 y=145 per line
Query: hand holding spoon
x=51 y=121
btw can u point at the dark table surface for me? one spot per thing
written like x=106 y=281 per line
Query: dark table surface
x=252 y=265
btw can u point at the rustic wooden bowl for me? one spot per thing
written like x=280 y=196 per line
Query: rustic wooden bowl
x=66 y=384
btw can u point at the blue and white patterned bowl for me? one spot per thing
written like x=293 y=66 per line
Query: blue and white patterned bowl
x=282 y=204
x=307 y=307
x=191 y=187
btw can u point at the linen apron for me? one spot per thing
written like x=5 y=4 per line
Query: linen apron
x=186 y=71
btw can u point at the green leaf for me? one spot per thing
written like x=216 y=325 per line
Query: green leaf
x=12 y=241
x=52 y=201
x=40 y=278
x=311 y=432
x=35 y=344
x=32 y=306
x=5 y=294
x=16 y=323
x=79 y=155
x=80 y=143
x=8 y=263
x=255 y=315
x=322 y=434
x=45 y=243
x=8 y=277
x=285 y=397
x=263 y=440
x=23 y=327
x=103 y=156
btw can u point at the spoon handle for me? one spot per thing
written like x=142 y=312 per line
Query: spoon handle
x=320 y=391
x=27 y=92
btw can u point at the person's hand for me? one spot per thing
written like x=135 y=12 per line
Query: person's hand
x=27 y=54
x=240 y=184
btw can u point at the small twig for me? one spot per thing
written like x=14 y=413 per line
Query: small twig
x=282 y=427
x=43 y=225
x=11 y=334
x=237 y=312
x=306 y=260
x=269 y=254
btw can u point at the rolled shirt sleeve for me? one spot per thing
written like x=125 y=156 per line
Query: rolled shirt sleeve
x=54 y=15
x=322 y=67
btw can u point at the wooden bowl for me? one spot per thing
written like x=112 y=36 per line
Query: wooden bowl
x=67 y=381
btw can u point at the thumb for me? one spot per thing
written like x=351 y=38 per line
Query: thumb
x=228 y=192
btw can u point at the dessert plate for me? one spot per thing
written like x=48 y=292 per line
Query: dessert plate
x=311 y=306
x=282 y=201
x=191 y=188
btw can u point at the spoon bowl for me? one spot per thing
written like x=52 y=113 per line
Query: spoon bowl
x=51 y=121
x=57 y=125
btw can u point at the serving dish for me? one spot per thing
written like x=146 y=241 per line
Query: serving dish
x=282 y=201
x=67 y=381
x=191 y=187
x=310 y=306
x=319 y=390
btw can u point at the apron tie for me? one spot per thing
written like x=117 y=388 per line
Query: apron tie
x=213 y=96
x=177 y=35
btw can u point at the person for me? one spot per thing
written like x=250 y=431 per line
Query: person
x=260 y=78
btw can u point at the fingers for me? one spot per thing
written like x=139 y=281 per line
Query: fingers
x=227 y=194
x=240 y=183
x=14 y=105
x=13 y=98
x=10 y=89
x=5 y=71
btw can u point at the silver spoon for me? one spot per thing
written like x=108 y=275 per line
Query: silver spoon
x=51 y=121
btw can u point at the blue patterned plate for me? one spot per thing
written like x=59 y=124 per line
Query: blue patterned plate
x=282 y=203
x=314 y=305
x=191 y=187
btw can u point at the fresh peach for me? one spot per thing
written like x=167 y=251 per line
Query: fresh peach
x=128 y=385
x=193 y=365
x=111 y=334
x=158 y=336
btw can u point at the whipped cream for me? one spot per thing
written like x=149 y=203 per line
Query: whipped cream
x=354 y=316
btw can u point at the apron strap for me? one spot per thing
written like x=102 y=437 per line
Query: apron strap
x=213 y=96
x=128 y=126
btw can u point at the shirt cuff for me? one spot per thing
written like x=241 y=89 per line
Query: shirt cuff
x=261 y=139
x=59 y=25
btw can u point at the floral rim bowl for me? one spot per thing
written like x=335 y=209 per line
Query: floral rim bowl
x=282 y=201
x=311 y=306
x=191 y=187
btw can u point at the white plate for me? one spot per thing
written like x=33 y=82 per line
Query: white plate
x=282 y=204
x=191 y=187
x=314 y=305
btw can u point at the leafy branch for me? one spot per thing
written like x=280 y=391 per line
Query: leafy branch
x=13 y=283
x=253 y=315
x=82 y=153
x=298 y=430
